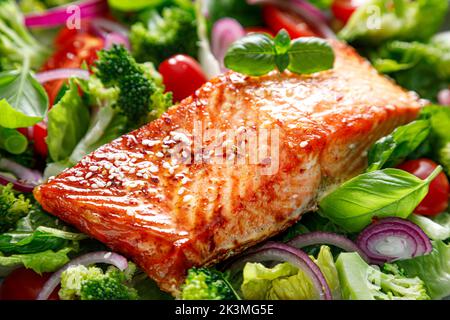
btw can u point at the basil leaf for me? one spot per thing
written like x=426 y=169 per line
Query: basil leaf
x=23 y=100
x=394 y=148
x=282 y=42
x=253 y=55
x=68 y=122
x=381 y=193
x=309 y=55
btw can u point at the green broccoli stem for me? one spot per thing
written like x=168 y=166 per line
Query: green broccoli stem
x=12 y=141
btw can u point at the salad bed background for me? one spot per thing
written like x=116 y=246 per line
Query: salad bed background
x=39 y=242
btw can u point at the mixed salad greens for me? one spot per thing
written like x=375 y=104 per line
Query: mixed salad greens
x=383 y=235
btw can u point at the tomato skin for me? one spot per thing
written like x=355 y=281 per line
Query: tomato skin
x=39 y=136
x=24 y=284
x=182 y=75
x=278 y=19
x=436 y=201
x=343 y=9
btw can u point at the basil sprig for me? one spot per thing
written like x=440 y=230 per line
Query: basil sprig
x=376 y=194
x=258 y=54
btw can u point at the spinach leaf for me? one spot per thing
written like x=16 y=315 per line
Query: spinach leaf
x=394 y=148
x=68 y=122
x=23 y=101
x=380 y=193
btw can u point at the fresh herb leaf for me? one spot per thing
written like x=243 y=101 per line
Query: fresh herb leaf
x=23 y=100
x=253 y=55
x=376 y=194
x=309 y=55
x=394 y=148
x=68 y=122
x=258 y=54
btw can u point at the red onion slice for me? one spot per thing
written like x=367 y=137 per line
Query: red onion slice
x=59 y=16
x=111 y=32
x=444 y=97
x=393 y=239
x=225 y=31
x=283 y=253
x=88 y=259
x=26 y=180
x=329 y=238
x=63 y=73
x=310 y=14
x=116 y=38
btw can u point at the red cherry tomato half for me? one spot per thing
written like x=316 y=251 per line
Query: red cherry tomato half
x=24 y=284
x=182 y=75
x=436 y=200
x=277 y=19
x=343 y=9
x=39 y=136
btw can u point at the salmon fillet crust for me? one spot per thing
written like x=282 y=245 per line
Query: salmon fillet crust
x=226 y=190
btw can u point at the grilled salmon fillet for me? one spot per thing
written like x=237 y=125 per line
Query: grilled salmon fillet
x=238 y=162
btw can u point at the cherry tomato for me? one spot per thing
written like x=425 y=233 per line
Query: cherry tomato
x=81 y=48
x=278 y=19
x=436 y=200
x=24 y=284
x=39 y=136
x=182 y=75
x=343 y=9
x=259 y=30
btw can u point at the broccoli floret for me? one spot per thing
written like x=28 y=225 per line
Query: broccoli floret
x=17 y=45
x=171 y=32
x=207 y=284
x=139 y=93
x=12 y=207
x=91 y=283
x=360 y=281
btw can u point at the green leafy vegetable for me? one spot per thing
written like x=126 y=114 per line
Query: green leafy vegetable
x=437 y=228
x=68 y=122
x=377 y=21
x=286 y=282
x=13 y=206
x=433 y=269
x=359 y=281
x=12 y=141
x=391 y=150
x=45 y=261
x=258 y=54
x=161 y=35
x=321 y=4
x=24 y=101
x=135 y=5
x=381 y=193
x=207 y=284
x=91 y=283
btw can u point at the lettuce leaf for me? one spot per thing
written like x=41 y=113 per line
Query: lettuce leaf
x=433 y=269
x=437 y=228
x=46 y=261
x=68 y=121
x=377 y=21
x=286 y=282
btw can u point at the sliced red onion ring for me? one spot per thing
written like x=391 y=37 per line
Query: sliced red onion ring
x=444 y=97
x=63 y=73
x=111 y=32
x=310 y=14
x=320 y=237
x=59 y=16
x=283 y=253
x=26 y=180
x=225 y=31
x=393 y=239
x=88 y=259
